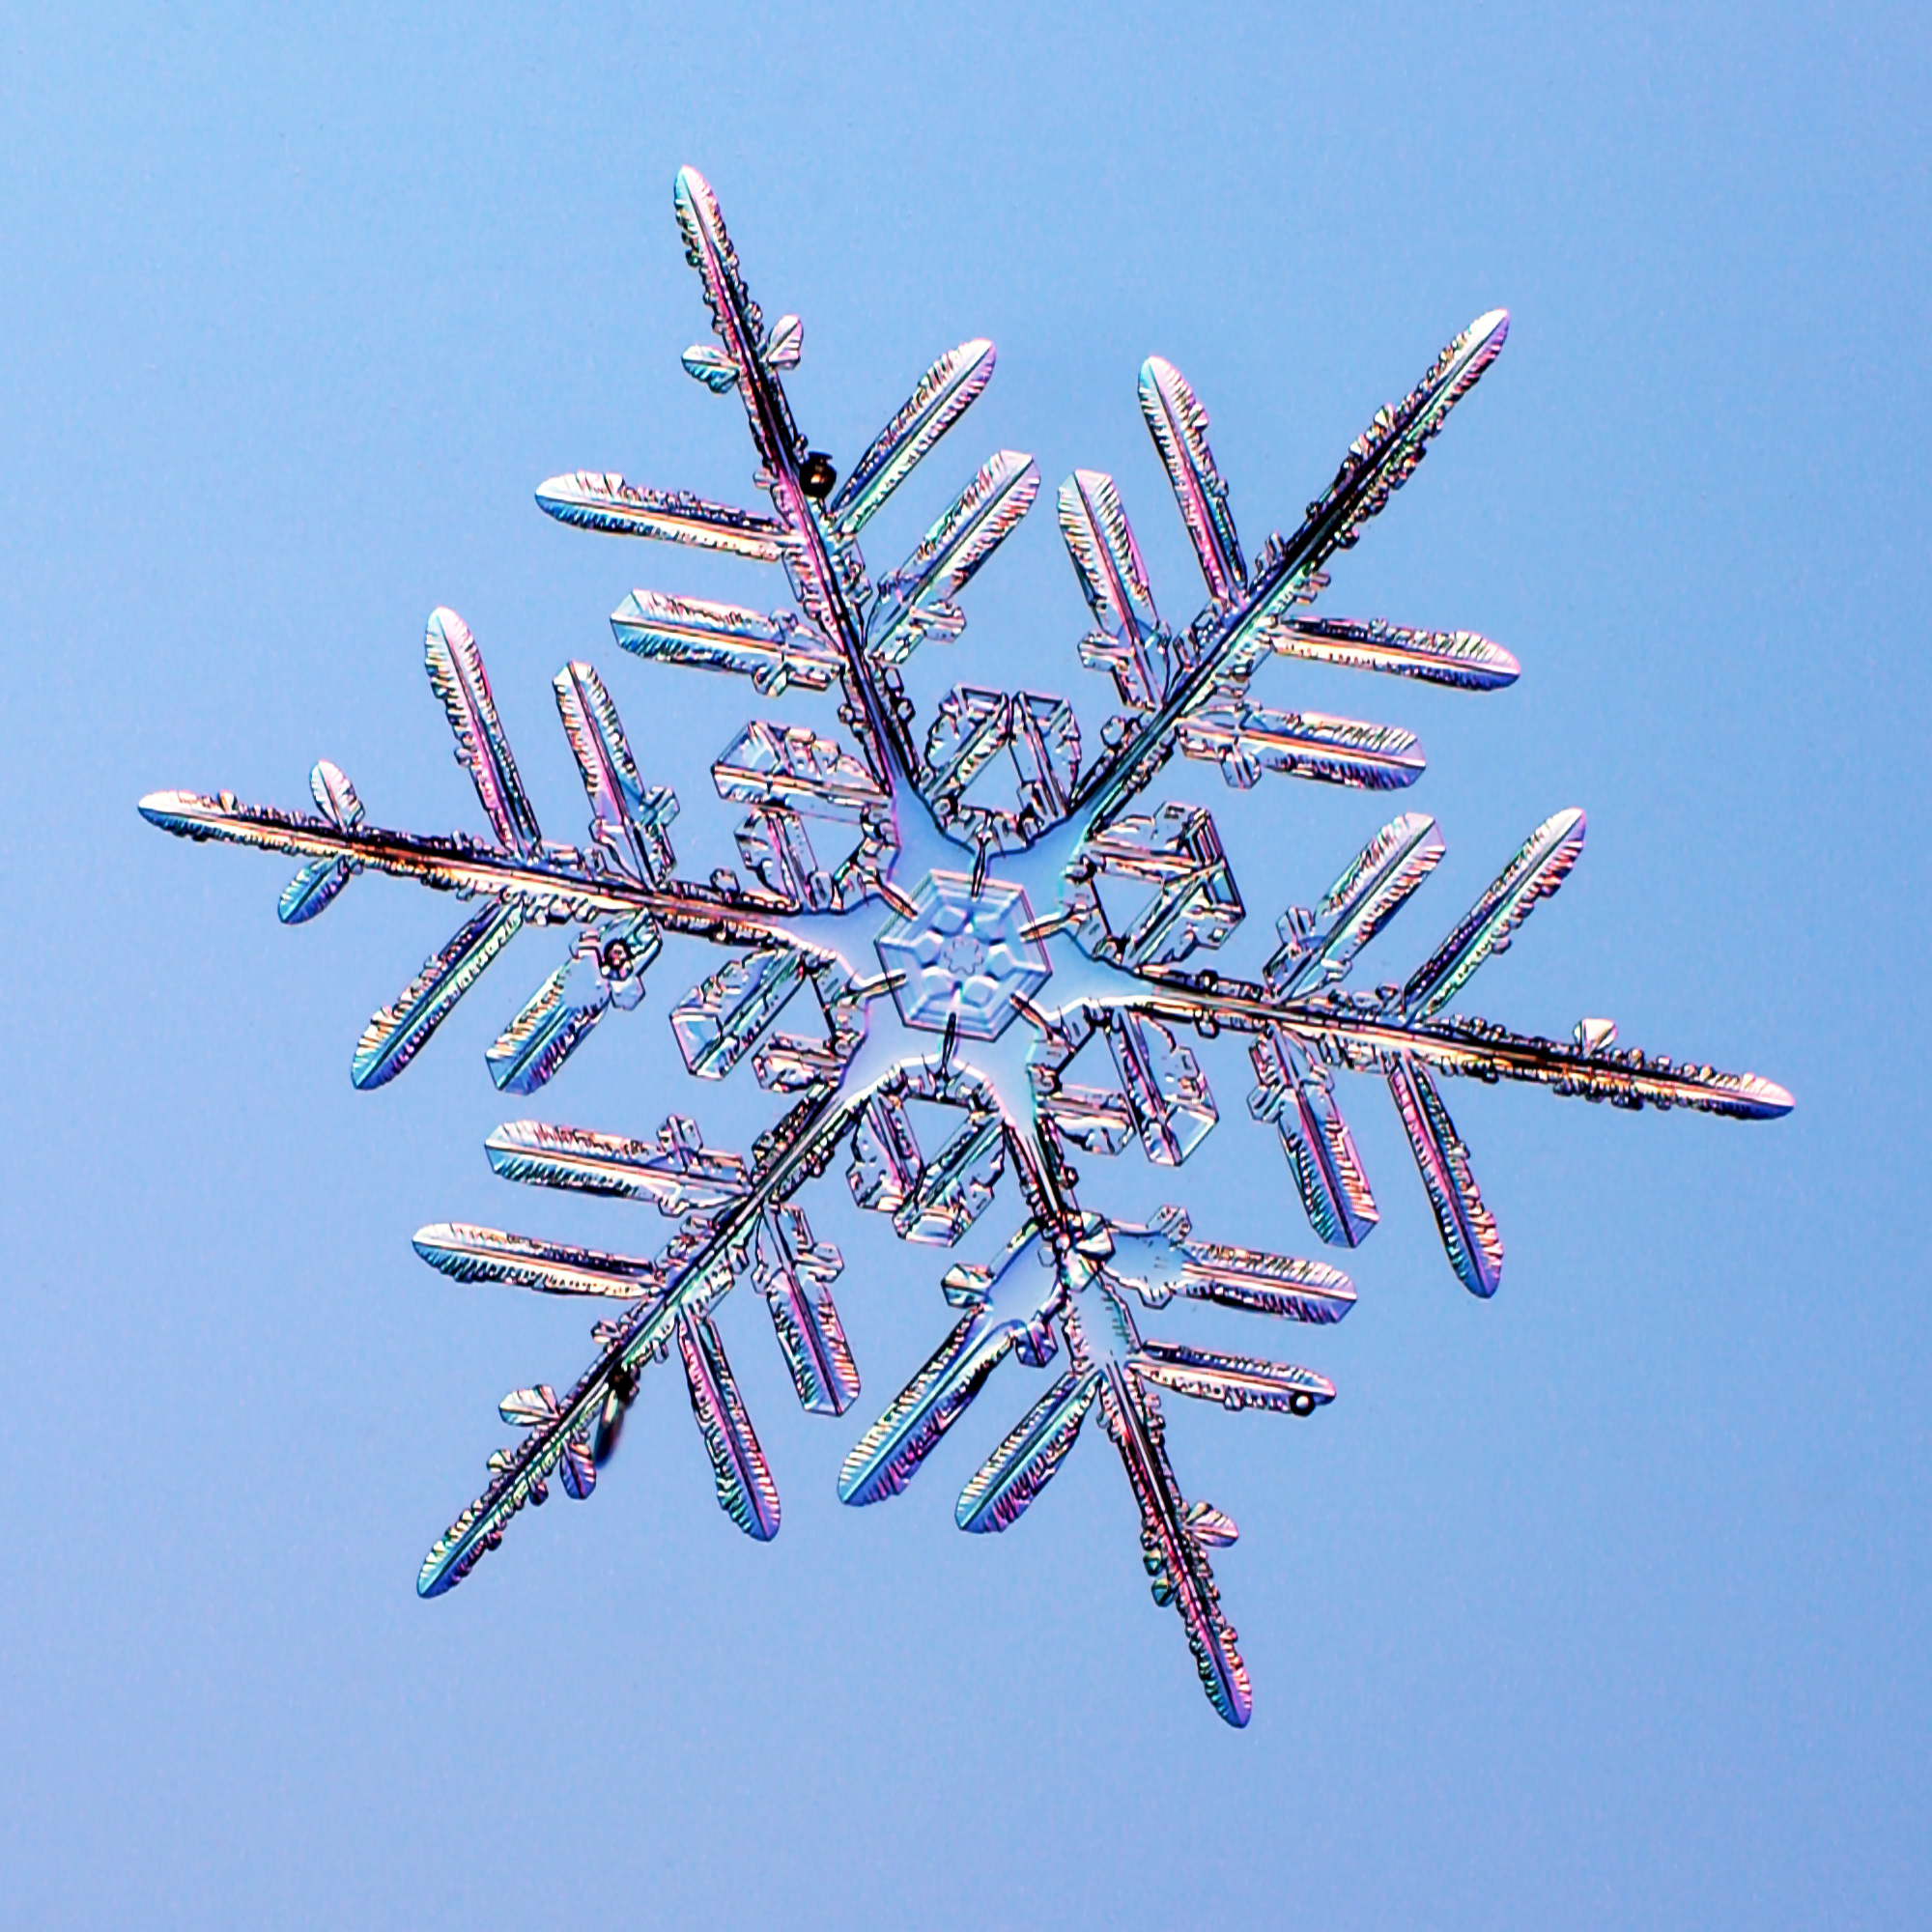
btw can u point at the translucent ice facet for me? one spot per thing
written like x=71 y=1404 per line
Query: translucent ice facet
x=774 y=652
x=1178 y=425
x=398 y=1033
x=1158 y=1263
x=456 y=671
x=916 y=600
x=1318 y=946
x=962 y=957
x=795 y=1274
x=1172 y=1109
x=1025 y=1462
x=676 y=1172
x=1468 y=1229
x=1536 y=872
x=628 y=819
x=1459 y=658
x=1004 y=1304
x=1180 y=894
x=746 y=1491
x=718 y=1020
x=791 y=765
x=598 y=501
x=1297 y=1095
x=944 y=394
x=1247 y=740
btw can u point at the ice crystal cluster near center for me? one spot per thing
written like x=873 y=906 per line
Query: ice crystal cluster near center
x=960 y=952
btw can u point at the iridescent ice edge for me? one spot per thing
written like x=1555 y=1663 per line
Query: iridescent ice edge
x=961 y=953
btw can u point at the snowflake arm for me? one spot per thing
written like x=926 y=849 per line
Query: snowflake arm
x=1250 y=610
x=696 y=1271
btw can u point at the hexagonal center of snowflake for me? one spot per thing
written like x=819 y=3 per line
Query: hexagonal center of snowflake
x=964 y=955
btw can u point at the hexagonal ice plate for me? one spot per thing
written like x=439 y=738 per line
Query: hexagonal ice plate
x=964 y=955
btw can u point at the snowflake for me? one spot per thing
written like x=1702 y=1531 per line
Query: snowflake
x=961 y=953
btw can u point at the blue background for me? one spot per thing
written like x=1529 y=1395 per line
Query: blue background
x=1600 y=1602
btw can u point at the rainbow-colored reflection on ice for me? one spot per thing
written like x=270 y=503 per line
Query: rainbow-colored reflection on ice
x=942 y=900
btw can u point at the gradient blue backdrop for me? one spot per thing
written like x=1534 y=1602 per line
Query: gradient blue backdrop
x=1603 y=1603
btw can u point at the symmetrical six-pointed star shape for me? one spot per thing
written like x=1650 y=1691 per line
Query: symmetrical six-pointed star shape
x=966 y=948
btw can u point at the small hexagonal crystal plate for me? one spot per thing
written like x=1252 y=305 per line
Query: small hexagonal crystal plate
x=964 y=955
